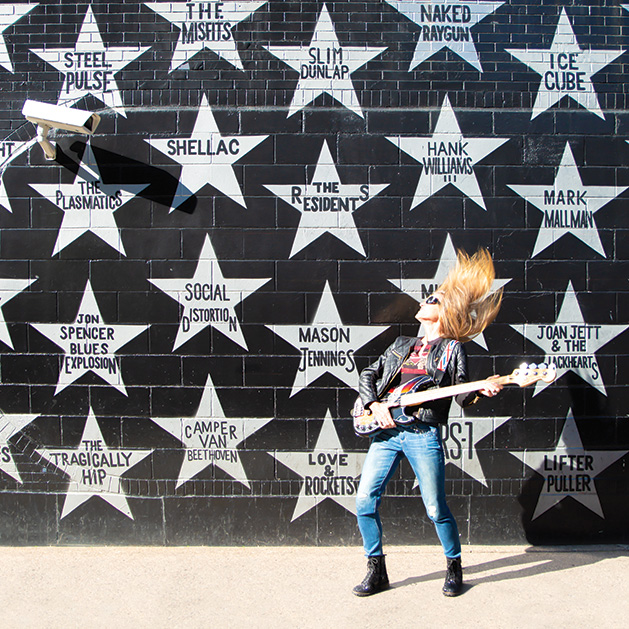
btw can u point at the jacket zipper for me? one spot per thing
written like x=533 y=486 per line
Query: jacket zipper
x=392 y=378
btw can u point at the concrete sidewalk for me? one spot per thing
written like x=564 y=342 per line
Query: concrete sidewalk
x=507 y=586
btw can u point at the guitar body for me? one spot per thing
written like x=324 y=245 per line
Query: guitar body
x=402 y=415
x=365 y=423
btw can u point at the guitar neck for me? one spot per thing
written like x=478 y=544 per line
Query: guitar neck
x=420 y=397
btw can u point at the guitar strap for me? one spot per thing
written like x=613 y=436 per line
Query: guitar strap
x=444 y=360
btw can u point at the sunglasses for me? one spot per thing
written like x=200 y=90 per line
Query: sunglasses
x=432 y=301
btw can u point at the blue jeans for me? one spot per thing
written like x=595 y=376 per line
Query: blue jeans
x=421 y=444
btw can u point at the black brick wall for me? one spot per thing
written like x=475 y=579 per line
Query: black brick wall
x=228 y=434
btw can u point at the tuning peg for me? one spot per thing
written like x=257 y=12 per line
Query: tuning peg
x=542 y=366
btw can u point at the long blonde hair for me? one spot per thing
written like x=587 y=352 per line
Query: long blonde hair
x=468 y=304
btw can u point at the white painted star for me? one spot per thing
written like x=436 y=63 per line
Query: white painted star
x=90 y=67
x=88 y=205
x=445 y=25
x=9 y=288
x=461 y=437
x=89 y=344
x=205 y=25
x=10 y=13
x=208 y=298
x=10 y=425
x=447 y=157
x=568 y=206
x=210 y=438
x=10 y=150
x=328 y=471
x=566 y=69
x=325 y=66
x=569 y=470
x=420 y=288
x=570 y=343
x=94 y=469
x=326 y=205
x=207 y=157
x=326 y=345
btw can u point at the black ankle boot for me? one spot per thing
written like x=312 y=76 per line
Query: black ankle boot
x=454 y=578
x=376 y=579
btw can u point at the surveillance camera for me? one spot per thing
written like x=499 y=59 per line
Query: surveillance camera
x=60 y=117
x=47 y=117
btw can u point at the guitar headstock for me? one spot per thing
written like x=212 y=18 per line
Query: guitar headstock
x=527 y=374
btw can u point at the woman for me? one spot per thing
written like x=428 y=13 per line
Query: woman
x=461 y=308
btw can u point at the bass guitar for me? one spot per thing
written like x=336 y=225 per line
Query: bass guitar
x=365 y=423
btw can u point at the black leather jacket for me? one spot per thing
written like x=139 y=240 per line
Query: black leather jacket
x=376 y=379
